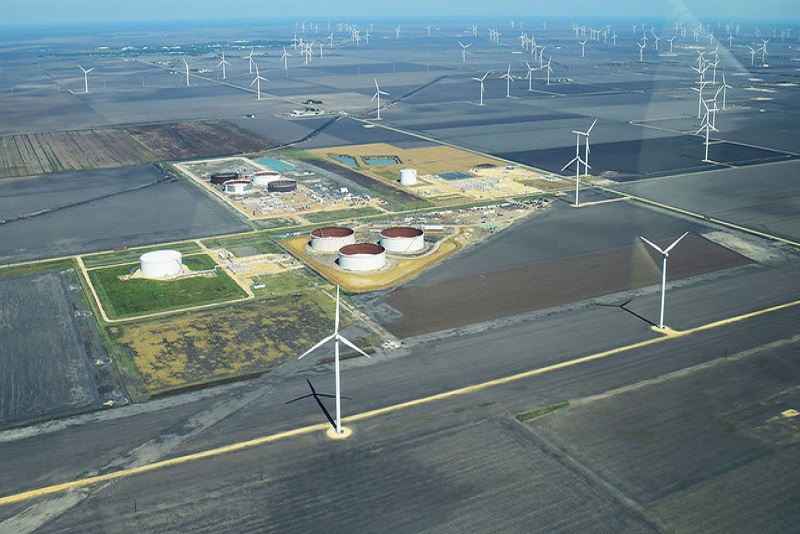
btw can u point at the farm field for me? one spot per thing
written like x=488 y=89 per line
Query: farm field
x=197 y=139
x=49 y=152
x=226 y=343
x=44 y=368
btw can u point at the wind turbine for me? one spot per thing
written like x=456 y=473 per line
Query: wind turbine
x=577 y=160
x=583 y=47
x=549 y=69
x=586 y=135
x=86 y=78
x=671 y=41
x=464 y=51
x=284 y=58
x=724 y=89
x=377 y=95
x=507 y=76
x=222 y=64
x=187 y=72
x=530 y=76
x=664 y=255
x=708 y=126
x=481 y=80
x=257 y=81
x=249 y=58
x=336 y=337
x=641 y=51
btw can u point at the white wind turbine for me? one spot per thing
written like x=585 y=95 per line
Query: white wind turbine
x=641 y=51
x=549 y=69
x=724 y=89
x=257 y=80
x=481 y=80
x=530 y=76
x=464 y=51
x=708 y=126
x=187 y=72
x=284 y=58
x=336 y=337
x=249 y=58
x=583 y=47
x=577 y=161
x=671 y=41
x=377 y=95
x=507 y=76
x=86 y=78
x=222 y=64
x=586 y=153
x=664 y=255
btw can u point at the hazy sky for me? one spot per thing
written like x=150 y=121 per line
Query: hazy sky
x=71 y=11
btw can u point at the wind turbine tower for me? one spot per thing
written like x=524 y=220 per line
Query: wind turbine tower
x=377 y=95
x=86 y=78
x=187 y=72
x=257 y=81
x=577 y=161
x=464 y=51
x=336 y=337
x=664 y=255
x=481 y=80
x=222 y=64
x=507 y=76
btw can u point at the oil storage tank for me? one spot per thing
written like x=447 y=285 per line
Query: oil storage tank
x=161 y=263
x=408 y=176
x=220 y=178
x=402 y=240
x=262 y=179
x=362 y=257
x=284 y=185
x=332 y=238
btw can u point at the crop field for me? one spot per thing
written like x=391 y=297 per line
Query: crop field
x=44 y=368
x=198 y=139
x=49 y=152
x=128 y=298
x=204 y=347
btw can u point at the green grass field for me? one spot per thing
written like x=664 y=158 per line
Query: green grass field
x=128 y=298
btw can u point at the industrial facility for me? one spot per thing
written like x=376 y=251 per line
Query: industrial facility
x=402 y=240
x=161 y=263
x=362 y=257
x=331 y=238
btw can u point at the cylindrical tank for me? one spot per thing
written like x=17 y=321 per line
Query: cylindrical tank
x=220 y=178
x=408 y=176
x=237 y=187
x=161 y=263
x=362 y=257
x=402 y=240
x=282 y=186
x=264 y=178
x=331 y=238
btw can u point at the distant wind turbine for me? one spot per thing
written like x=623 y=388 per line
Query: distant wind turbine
x=507 y=76
x=187 y=72
x=249 y=58
x=86 y=78
x=257 y=81
x=222 y=64
x=481 y=80
x=377 y=95
x=577 y=161
x=464 y=51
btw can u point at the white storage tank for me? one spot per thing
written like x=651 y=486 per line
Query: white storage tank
x=362 y=257
x=402 y=240
x=161 y=263
x=262 y=179
x=332 y=238
x=408 y=176
x=237 y=187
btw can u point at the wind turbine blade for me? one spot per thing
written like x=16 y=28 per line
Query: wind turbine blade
x=651 y=244
x=573 y=160
x=352 y=346
x=315 y=347
x=675 y=242
x=590 y=128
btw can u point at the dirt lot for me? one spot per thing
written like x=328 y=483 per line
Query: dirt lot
x=446 y=304
x=44 y=153
x=221 y=344
x=44 y=369
x=198 y=139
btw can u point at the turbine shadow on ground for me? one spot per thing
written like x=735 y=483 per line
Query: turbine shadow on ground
x=317 y=397
x=623 y=307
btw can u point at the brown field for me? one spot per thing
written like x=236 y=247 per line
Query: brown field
x=189 y=350
x=198 y=139
x=532 y=287
x=43 y=153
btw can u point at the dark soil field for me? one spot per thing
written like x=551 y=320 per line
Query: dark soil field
x=44 y=369
x=483 y=297
x=199 y=139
